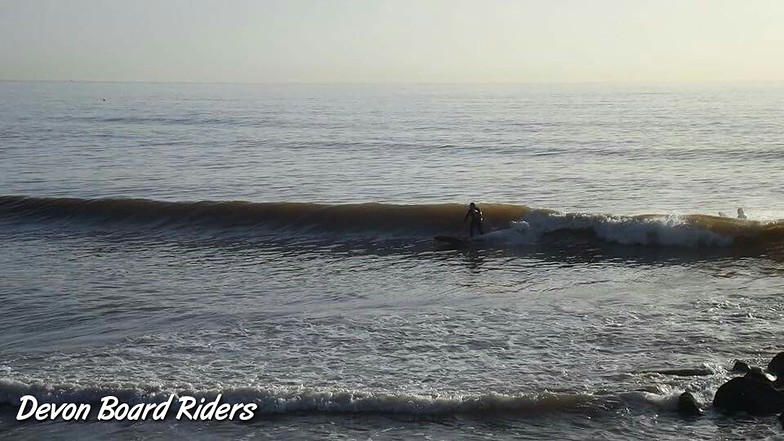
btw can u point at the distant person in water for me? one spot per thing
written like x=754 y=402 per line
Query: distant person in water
x=476 y=218
x=742 y=214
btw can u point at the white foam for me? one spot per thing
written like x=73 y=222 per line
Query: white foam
x=666 y=401
x=670 y=231
x=661 y=230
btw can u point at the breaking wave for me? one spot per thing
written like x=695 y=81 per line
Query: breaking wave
x=280 y=400
x=507 y=225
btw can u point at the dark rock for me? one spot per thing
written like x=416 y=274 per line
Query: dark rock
x=688 y=405
x=757 y=373
x=741 y=366
x=776 y=366
x=749 y=394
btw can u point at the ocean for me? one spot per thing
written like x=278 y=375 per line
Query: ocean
x=273 y=245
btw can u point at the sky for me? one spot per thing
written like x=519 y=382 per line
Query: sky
x=392 y=41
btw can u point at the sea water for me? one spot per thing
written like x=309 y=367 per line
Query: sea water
x=273 y=244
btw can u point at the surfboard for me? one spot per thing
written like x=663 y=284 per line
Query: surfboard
x=453 y=240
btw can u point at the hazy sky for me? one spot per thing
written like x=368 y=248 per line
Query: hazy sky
x=392 y=40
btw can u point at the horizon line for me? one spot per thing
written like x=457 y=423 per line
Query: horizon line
x=391 y=83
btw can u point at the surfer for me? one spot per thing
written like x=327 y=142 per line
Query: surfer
x=476 y=218
x=742 y=214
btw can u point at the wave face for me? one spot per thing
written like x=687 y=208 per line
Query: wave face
x=368 y=218
x=506 y=225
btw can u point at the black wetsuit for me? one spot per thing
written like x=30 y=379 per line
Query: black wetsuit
x=476 y=219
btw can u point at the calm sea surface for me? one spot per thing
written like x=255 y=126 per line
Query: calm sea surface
x=274 y=245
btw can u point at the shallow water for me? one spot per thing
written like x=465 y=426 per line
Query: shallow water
x=348 y=320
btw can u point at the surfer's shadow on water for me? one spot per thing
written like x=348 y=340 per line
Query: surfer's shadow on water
x=474 y=260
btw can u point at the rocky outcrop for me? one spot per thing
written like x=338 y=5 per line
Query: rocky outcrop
x=741 y=366
x=751 y=394
x=688 y=405
x=776 y=367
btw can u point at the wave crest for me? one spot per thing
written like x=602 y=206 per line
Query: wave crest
x=507 y=224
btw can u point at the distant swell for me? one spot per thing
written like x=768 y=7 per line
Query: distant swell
x=507 y=225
